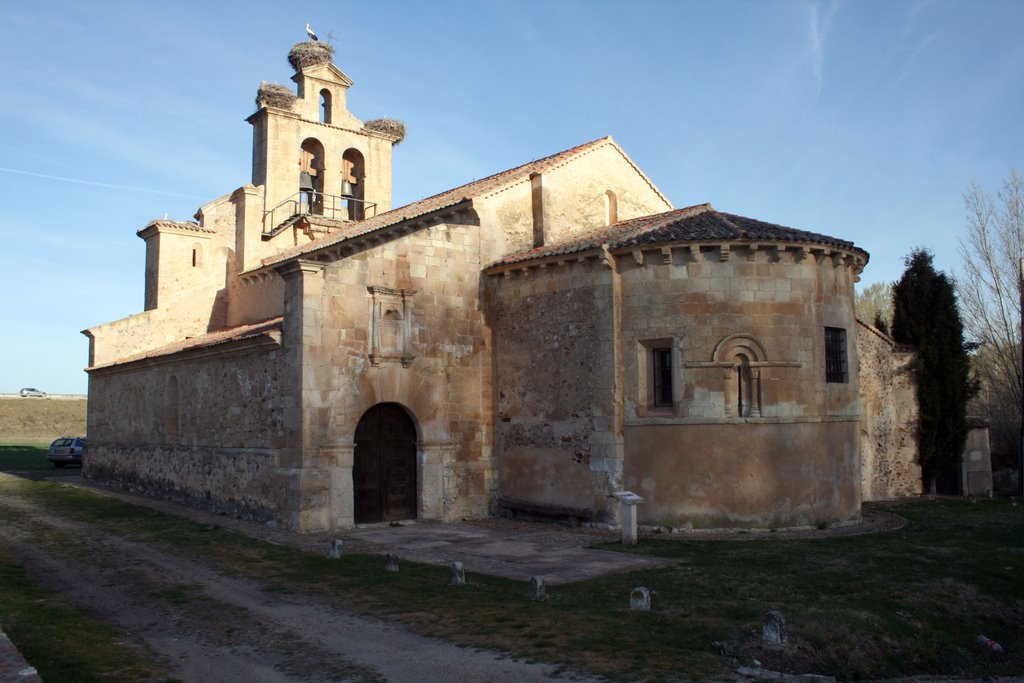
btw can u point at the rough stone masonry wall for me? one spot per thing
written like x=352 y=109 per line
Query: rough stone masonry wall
x=212 y=442
x=555 y=424
x=889 y=415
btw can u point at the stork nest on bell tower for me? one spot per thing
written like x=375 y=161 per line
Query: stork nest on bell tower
x=274 y=95
x=310 y=54
x=393 y=128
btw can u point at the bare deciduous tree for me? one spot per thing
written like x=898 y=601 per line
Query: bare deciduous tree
x=874 y=305
x=990 y=298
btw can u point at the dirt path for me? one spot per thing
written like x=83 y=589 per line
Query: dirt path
x=207 y=626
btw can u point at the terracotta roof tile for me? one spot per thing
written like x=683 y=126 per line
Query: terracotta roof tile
x=179 y=225
x=717 y=225
x=203 y=341
x=477 y=188
x=877 y=332
x=691 y=224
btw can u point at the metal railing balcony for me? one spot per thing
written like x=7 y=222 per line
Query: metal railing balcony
x=306 y=203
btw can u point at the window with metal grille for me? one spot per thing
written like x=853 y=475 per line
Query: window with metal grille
x=835 y=355
x=662 y=366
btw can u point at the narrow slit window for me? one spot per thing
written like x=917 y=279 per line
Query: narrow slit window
x=611 y=208
x=836 y=371
x=662 y=380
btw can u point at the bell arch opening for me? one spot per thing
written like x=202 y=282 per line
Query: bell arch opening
x=353 y=183
x=384 y=481
x=311 y=177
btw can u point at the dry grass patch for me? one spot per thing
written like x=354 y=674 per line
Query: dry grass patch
x=40 y=419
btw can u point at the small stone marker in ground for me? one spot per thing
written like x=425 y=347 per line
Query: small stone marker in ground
x=773 y=630
x=990 y=644
x=640 y=598
x=335 y=551
x=390 y=563
x=458 y=574
x=537 y=588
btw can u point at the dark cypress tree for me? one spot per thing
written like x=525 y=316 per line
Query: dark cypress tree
x=880 y=322
x=925 y=315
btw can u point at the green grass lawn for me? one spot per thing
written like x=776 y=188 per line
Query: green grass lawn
x=19 y=457
x=896 y=604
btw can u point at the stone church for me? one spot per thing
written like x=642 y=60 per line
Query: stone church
x=527 y=343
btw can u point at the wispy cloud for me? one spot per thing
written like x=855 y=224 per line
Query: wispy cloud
x=818 y=23
x=94 y=183
x=914 y=17
x=908 y=63
x=911 y=19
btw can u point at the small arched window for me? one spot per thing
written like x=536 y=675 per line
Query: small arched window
x=744 y=357
x=325 y=106
x=745 y=402
x=611 y=208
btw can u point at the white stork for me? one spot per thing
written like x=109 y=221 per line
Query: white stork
x=312 y=36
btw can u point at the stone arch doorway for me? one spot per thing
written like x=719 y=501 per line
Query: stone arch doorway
x=384 y=465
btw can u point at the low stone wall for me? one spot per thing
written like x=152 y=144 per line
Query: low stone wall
x=889 y=415
x=976 y=464
x=236 y=482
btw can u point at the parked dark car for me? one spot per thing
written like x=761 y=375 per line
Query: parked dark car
x=29 y=391
x=67 y=450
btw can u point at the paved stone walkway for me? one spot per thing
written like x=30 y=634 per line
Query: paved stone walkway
x=514 y=550
x=510 y=549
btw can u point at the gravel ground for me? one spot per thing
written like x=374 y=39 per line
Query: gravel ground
x=207 y=626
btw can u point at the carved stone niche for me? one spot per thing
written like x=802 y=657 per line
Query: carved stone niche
x=390 y=325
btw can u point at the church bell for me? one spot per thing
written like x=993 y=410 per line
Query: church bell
x=347 y=189
x=305 y=182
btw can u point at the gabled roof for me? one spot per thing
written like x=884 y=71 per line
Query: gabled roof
x=338 y=76
x=700 y=223
x=478 y=188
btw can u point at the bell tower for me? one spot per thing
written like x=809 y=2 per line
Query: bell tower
x=310 y=154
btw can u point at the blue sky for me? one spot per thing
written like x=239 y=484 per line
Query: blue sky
x=864 y=120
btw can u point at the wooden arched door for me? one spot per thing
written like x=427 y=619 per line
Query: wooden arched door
x=384 y=465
